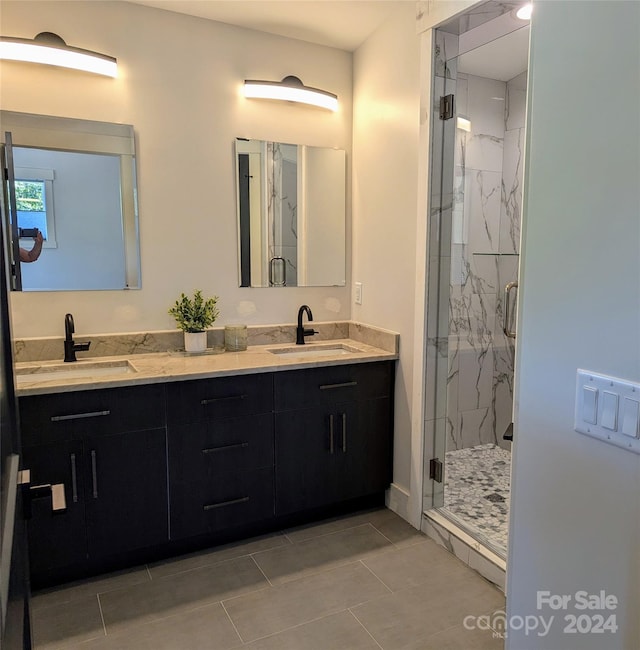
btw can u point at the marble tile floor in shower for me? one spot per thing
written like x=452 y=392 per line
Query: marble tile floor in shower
x=366 y=581
x=477 y=491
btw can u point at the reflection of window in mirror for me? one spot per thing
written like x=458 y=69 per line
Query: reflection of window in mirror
x=76 y=183
x=34 y=202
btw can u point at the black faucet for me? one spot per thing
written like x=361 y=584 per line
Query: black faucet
x=70 y=347
x=301 y=332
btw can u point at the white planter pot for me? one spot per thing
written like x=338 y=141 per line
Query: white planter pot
x=195 y=341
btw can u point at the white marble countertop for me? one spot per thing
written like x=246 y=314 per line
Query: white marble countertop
x=170 y=366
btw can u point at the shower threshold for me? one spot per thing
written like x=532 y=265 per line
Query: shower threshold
x=439 y=525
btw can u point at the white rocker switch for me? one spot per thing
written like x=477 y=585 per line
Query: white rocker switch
x=589 y=404
x=630 y=417
x=609 y=410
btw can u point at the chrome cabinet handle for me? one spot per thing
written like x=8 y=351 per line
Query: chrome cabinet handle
x=331 y=447
x=94 y=474
x=79 y=416
x=231 y=502
x=344 y=384
x=74 y=479
x=507 y=315
x=214 y=450
x=344 y=433
x=214 y=400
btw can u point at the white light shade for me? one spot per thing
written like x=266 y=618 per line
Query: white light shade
x=524 y=13
x=290 y=89
x=50 y=49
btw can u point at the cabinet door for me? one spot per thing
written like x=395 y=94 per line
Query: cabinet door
x=365 y=442
x=56 y=539
x=126 y=491
x=307 y=448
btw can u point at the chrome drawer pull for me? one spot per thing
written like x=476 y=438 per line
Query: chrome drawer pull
x=344 y=433
x=74 y=479
x=213 y=400
x=344 y=384
x=232 y=502
x=215 y=450
x=94 y=474
x=79 y=416
x=331 y=433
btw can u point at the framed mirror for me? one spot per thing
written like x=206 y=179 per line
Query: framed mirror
x=291 y=207
x=75 y=182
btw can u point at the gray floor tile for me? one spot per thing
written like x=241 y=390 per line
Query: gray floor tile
x=179 y=593
x=320 y=553
x=335 y=632
x=410 y=566
x=89 y=587
x=460 y=638
x=395 y=528
x=217 y=554
x=275 y=609
x=334 y=524
x=205 y=627
x=59 y=626
x=406 y=619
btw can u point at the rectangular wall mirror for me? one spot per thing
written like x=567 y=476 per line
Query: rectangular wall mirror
x=291 y=214
x=75 y=181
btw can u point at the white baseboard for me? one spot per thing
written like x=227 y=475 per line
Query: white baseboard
x=397 y=499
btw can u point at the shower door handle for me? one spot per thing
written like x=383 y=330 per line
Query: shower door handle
x=507 y=311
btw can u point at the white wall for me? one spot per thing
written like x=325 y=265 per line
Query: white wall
x=179 y=85
x=575 y=510
x=89 y=252
x=385 y=189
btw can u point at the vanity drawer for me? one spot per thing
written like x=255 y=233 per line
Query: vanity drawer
x=296 y=389
x=67 y=416
x=204 y=450
x=223 y=501
x=222 y=397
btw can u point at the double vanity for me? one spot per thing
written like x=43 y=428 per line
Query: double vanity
x=160 y=453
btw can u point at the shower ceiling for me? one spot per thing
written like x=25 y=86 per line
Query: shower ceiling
x=502 y=59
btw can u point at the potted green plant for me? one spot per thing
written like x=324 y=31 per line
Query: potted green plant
x=193 y=316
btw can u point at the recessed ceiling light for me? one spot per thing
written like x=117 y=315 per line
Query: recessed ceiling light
x=524 y=13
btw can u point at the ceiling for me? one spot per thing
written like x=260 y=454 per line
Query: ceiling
x=344 y=24
x=501 y=59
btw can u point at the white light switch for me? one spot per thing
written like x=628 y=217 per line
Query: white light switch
x=609 y=410
x=630 y=417
x=589 y=404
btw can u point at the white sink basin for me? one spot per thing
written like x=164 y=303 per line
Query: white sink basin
x=311 y=351
x=74 y=370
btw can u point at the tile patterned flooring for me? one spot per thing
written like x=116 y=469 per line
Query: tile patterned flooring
x=366 y=581
x=477 y=491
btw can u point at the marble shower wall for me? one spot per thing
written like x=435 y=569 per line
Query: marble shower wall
x=282 y=189
x=484 y=258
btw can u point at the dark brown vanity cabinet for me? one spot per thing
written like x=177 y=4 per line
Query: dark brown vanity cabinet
x=154 y=468
x=333 y=434
x=220 y=453
x=108 y=449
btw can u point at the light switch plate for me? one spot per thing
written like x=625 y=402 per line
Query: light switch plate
x=358 y=293
x=605 y=409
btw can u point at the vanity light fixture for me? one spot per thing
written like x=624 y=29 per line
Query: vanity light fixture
x=290 y=89
x=524 y=12
x=49 y=49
